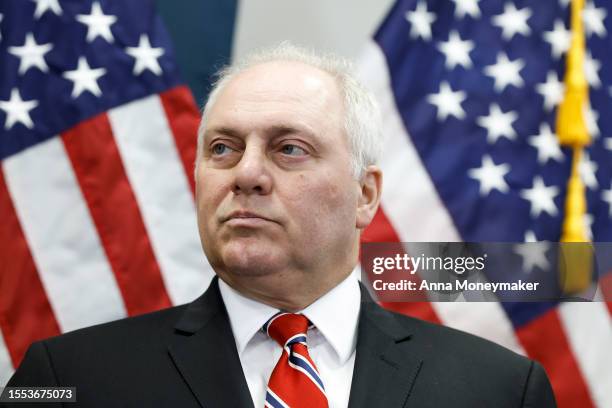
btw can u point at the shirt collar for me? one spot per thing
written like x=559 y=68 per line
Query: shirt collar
x=334 y=314
x=246 y=315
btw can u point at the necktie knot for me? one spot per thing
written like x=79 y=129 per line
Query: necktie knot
x=287 y=328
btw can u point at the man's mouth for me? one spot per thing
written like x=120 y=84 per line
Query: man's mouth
x=245 y=218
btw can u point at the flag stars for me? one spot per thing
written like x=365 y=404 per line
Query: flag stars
x=533 y=254
x=505 y=72
x=513 y=21
x=498 y=124
x=456 y=51
x=84 y=78
x=587 y=169
x=420 y=21
x=530 y=236
x=594 y=19
x=547 y=145
x=31 y=54
x=559 y=39
x=42 y=6
x=552 y=91
x=490 y=176
x=17 y=110
x=145 y=56
x=1 y=18
x=541 y=198
x=591 y=70
x=590 y=117
x=448 y=102
x=98 y=23
x=466 y=7
x=606 y=195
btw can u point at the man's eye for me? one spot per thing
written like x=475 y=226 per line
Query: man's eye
x=220 y=148
x=293 y=150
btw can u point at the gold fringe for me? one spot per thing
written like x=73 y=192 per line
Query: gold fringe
x=575 y=260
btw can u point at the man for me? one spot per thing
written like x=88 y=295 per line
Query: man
x=286 y=181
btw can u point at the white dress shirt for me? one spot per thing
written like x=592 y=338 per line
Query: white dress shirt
x=331 y=343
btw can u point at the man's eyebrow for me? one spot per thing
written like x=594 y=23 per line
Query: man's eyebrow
x=221 y=130
x=273 y=131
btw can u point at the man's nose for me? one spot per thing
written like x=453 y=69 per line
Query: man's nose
x=251 y=173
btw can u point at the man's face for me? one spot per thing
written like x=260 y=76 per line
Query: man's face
x=275 y=193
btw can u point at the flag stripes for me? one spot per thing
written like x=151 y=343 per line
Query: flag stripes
x=61 y=235
x=25 y=312
x=6 y=367
x=381 y=230
x=152 y=164
x=484 y=319
x=183 y=118
x=108 y=193
x=604 y=290
x=593 y=351
x=93 y=218
x=545 y=341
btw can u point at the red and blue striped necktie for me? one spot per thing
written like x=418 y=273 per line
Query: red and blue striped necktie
x=295 y=381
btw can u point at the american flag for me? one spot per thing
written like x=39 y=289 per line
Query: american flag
x=97 y=144
x=469 y=91
x=97 y=219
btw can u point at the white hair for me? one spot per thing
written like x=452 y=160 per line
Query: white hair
x=362 y=121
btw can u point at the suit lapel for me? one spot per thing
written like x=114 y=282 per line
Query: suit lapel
x=385 y=367
x=204 y=352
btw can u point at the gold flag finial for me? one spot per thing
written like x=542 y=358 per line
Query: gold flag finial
x=572 y=132
x=571 y=125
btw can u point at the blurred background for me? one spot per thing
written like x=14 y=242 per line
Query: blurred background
x=99 y=107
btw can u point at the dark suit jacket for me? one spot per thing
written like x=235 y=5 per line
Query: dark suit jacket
x=186 y=357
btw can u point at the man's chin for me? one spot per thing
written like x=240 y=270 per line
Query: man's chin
x=246 y=262
x=251 y=270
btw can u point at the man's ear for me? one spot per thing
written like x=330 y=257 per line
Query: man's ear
x=371 y=187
